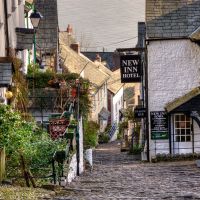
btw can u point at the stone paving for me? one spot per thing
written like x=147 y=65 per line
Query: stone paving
x=119 y=176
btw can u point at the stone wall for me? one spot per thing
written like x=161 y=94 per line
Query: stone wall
x=72 y=168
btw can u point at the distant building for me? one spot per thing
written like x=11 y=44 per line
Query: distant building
x=16 y=40
x=110 y=59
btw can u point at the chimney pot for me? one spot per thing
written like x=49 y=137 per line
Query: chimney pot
x=98 y=58
x=75 y=47
x=69 y=29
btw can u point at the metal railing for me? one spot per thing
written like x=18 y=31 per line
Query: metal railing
x=112 y=130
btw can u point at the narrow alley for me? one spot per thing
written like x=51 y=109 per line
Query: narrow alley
x=117 y=175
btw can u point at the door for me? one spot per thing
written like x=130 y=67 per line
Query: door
x=182 y=134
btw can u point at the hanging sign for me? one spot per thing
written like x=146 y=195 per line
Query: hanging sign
x=130 y=66
x=159 y=125
x=140 y=112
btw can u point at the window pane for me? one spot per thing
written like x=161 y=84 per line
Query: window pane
x=188 y=138
x=182 y=124
x=177 y=125
x=182 y=131
x=187 y=124
x=177 y=139
x=182 y=138
x=176 y=117
x=183 y=117
x=188 y=132
x=177 y=131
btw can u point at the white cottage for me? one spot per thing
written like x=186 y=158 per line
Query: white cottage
x=173 y=76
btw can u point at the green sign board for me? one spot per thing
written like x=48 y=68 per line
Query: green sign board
x=159 y=125
x=159 y=135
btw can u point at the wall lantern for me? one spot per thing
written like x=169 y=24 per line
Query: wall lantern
x=35 y=18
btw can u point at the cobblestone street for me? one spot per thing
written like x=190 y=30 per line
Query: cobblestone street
x=117 y=175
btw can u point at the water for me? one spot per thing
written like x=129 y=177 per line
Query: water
x=102 y=24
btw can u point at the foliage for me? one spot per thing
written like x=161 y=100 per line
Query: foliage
x=38 y=79
x=24 y=138
x=90 y=134
x=129 y=114
x=122 y=125
x=136 y=149
x=175 y=157
x=103 y=138
x=20 y=88
x=23 y=193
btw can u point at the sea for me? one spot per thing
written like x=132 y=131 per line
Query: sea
x=102 y=25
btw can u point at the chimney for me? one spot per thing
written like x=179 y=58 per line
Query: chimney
x=98 y=58
x=69 y=29
x=75 y=47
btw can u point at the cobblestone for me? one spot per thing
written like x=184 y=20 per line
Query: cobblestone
x=118 y=176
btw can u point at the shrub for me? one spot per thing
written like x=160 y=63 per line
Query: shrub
x=136 y=149
x=90 y=137
x=20 y=137
x=103 y=138
x=175 y=157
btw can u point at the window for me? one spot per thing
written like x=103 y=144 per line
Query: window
x=182 y=128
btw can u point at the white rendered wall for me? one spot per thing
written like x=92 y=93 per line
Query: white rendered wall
x=100 y=101
x=117 y=104
x=2 y=30
x=173 y=70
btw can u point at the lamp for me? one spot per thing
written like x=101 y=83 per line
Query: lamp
x=35 y=18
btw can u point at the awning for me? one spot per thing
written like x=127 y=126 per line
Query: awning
x=187 y=103
x=195 y=36
x=104 y=114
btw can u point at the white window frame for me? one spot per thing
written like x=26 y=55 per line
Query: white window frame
x=182 y=128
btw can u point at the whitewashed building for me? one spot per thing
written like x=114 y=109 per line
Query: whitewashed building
x=16 y=39
x=173 y=76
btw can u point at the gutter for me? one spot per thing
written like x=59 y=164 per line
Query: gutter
x=167 y=38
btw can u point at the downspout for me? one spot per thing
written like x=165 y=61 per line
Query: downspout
x=6 y=27
x=147 y=104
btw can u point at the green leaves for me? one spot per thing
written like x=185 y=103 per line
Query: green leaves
x=90 y=134
x=22 y=137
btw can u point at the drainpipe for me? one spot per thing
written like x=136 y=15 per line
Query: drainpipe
x=6 y=27
x=147 y=104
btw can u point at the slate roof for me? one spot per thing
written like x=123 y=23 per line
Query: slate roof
x=109 y=58
x=47 y=33
x=172 y=18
